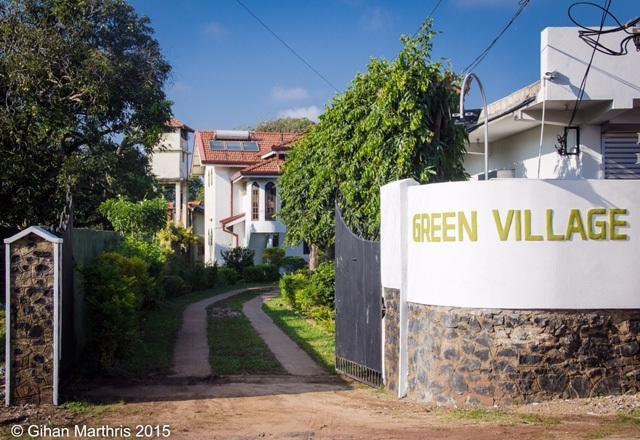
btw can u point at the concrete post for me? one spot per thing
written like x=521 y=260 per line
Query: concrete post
x=394 y=235
x=177 y=203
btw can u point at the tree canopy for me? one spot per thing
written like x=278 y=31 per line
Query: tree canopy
x=393 y=122
x=286 y=125
x=82 y=83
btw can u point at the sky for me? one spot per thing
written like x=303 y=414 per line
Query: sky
x=231 y=73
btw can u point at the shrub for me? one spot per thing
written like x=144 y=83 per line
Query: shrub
x=199 y=276
x=228 y=276
x=290 y=284
x=293 y=264
x=211 y=275
x=260 y=273
x=176 y=239
x=150 y=252
x=174 y=285
x=321 y=290
x=273 y=256
x=115 y=288
x=238 y=258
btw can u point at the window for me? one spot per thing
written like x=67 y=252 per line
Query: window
x=275 y=240
x=270 y=201
x=184 y=134
x=255 y=202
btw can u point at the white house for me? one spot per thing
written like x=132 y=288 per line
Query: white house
x=603 y=142
x=170 y=164
x=241 y=170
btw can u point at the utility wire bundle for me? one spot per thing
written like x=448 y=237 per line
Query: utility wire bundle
x=592 y=36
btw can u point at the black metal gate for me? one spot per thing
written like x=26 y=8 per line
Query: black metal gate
x=358 y=306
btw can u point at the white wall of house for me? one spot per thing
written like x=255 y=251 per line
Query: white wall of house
x=254 y=234
x=172 y=161
x=520 y=153
x=612 y=96
x=170 y=164
x=610 y=77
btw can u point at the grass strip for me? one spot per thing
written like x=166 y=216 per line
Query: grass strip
x=159 y=332
x=318 y=342
x=234 y=345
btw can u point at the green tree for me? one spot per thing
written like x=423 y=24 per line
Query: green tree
x=286 y=125
x=196 y=188
x=393 y=122
x=141 y=220
x=82 y=84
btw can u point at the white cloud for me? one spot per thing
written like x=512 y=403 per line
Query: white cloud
x=375 y=19
x=283 y=94
x=215 y=29
x=312 y=113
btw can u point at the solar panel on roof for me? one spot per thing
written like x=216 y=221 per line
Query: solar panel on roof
x=217 y=145
x=250 y=146
x=234 y=145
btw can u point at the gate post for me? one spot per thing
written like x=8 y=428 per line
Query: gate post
x=32 y=314
x=394 y=236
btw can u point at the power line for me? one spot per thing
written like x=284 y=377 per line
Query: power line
x=583 y=84
x=484 y=53
x=433 y=11
x=285 y=44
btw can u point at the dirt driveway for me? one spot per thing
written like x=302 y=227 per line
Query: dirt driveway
x=290 y=407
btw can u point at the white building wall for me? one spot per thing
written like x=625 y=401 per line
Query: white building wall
x=170 y=159
x=520 y=153
x=610 y=77
x=252 y=234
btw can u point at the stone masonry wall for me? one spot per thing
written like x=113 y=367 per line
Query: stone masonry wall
x=32 y=281
x=391 y=338
x=485 y=357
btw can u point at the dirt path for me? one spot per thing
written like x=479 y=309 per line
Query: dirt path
x=292 y=357
x=298 y=407
x=191 y=355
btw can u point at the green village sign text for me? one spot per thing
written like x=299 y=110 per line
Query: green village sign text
x=594 y=224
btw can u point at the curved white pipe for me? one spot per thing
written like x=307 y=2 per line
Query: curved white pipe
x=468 y=77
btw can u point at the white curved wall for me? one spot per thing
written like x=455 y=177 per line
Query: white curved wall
x=562 y=263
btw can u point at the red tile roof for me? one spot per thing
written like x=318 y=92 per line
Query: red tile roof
x=266 y=167
x=176 y=123
x=267 y=142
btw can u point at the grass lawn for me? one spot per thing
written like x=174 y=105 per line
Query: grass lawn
x=234 y=345
x=160 y=331
x=319 y=342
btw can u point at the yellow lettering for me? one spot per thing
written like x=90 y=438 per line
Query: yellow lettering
x=417 y=232
x=528 y=236
x=436 y=228
x=551 y=236
x=575 y=225
x=615 y=223
x=448 y=226
x=601 y=232
x=518 y=217
x=503 y=231
x=425 y=227
x=463 y=225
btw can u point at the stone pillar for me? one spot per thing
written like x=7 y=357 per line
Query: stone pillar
x=32 y=318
